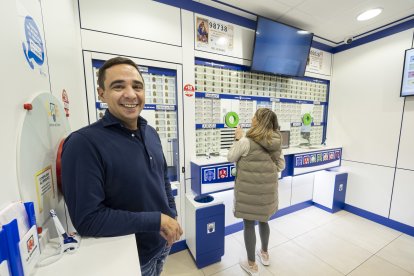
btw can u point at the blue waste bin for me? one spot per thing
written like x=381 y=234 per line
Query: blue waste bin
x=205 y=229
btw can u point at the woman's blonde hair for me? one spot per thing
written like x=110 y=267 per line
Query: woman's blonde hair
x=266 y=125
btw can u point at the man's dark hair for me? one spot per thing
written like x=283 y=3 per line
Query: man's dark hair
x=112 y=62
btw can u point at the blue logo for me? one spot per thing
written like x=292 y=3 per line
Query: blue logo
x=209 y=175
x=222 y=172
x=298 y=161
x=33 y=46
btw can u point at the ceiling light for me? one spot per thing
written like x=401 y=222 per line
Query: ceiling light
x=369 y=14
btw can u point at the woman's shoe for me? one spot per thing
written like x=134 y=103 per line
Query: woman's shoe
x=263 y=257
x=252 y=270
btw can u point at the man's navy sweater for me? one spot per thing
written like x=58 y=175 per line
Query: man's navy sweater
x=115 y=183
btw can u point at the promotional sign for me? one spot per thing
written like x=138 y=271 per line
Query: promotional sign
x=315 y=61
x=319 y=62
x=214 y=35
x=44 y=185
x=189 y=90
x=32 y=39
x=216 y=173
x=317 y=160
x=33 y=45
x=29 y=250
x=407 y=85
x=65 y=100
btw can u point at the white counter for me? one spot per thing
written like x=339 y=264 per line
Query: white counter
x=297 y=150
x=98 y=257
x=203 y=160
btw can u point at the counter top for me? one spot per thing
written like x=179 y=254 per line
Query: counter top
x=297 y=150
x=203 y=160
x=98 y=257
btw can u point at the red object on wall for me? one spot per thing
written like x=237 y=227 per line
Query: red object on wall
x=59 y=165
x=189 y=90
x=65 y=100
x=27 y=106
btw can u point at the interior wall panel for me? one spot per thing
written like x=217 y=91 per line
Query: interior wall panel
x=119 y=45
x=21 y=83
x=302 y=188
x=402 y=205
x=365 y=107
x=406 y=149
x=369 y=187
x=143 y=19
x=65 y=55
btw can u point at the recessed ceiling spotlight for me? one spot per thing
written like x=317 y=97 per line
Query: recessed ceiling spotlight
x=369 y=14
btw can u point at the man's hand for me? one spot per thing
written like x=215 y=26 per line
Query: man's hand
x=170 y=229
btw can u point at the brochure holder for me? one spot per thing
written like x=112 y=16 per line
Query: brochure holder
x=9 y=245
x=4 y=254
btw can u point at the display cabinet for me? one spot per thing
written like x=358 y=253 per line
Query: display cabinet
x=300 y=103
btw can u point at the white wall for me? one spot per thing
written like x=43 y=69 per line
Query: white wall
x=62 y=69
x=143 y=19
x=20 y=83
x=302 y=188
x=188 y=102
x=365 y=113
x=402 y=199
x=364 y=107
x=65 y=57
x=406 y=150
x=369 y=187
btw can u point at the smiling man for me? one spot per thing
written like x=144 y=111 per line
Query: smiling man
x=114 y=174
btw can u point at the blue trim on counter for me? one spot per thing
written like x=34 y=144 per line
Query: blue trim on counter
x=233 y=228
x=409 y=230
x=292 y=209
x=323 y=207
x=282 y=212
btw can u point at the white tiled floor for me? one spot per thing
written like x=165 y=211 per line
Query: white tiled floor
x=314 y=242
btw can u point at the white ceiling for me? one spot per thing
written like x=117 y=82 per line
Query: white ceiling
x=331 y=20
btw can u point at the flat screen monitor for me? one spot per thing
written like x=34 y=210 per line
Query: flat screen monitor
x=280 y=49
x=285 y=139
x=407 y=83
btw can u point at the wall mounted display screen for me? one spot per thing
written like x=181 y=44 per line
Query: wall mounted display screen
x=280 y=49
x=407 y=83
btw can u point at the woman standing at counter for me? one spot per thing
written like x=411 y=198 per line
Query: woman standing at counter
x=259 y=159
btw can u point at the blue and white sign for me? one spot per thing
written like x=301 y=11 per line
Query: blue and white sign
x=318 y=160
x=211 y=178
x=33 y=46
x=217 y=173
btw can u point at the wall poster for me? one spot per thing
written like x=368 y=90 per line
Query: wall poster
x=213 y=35
x=315 y=61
